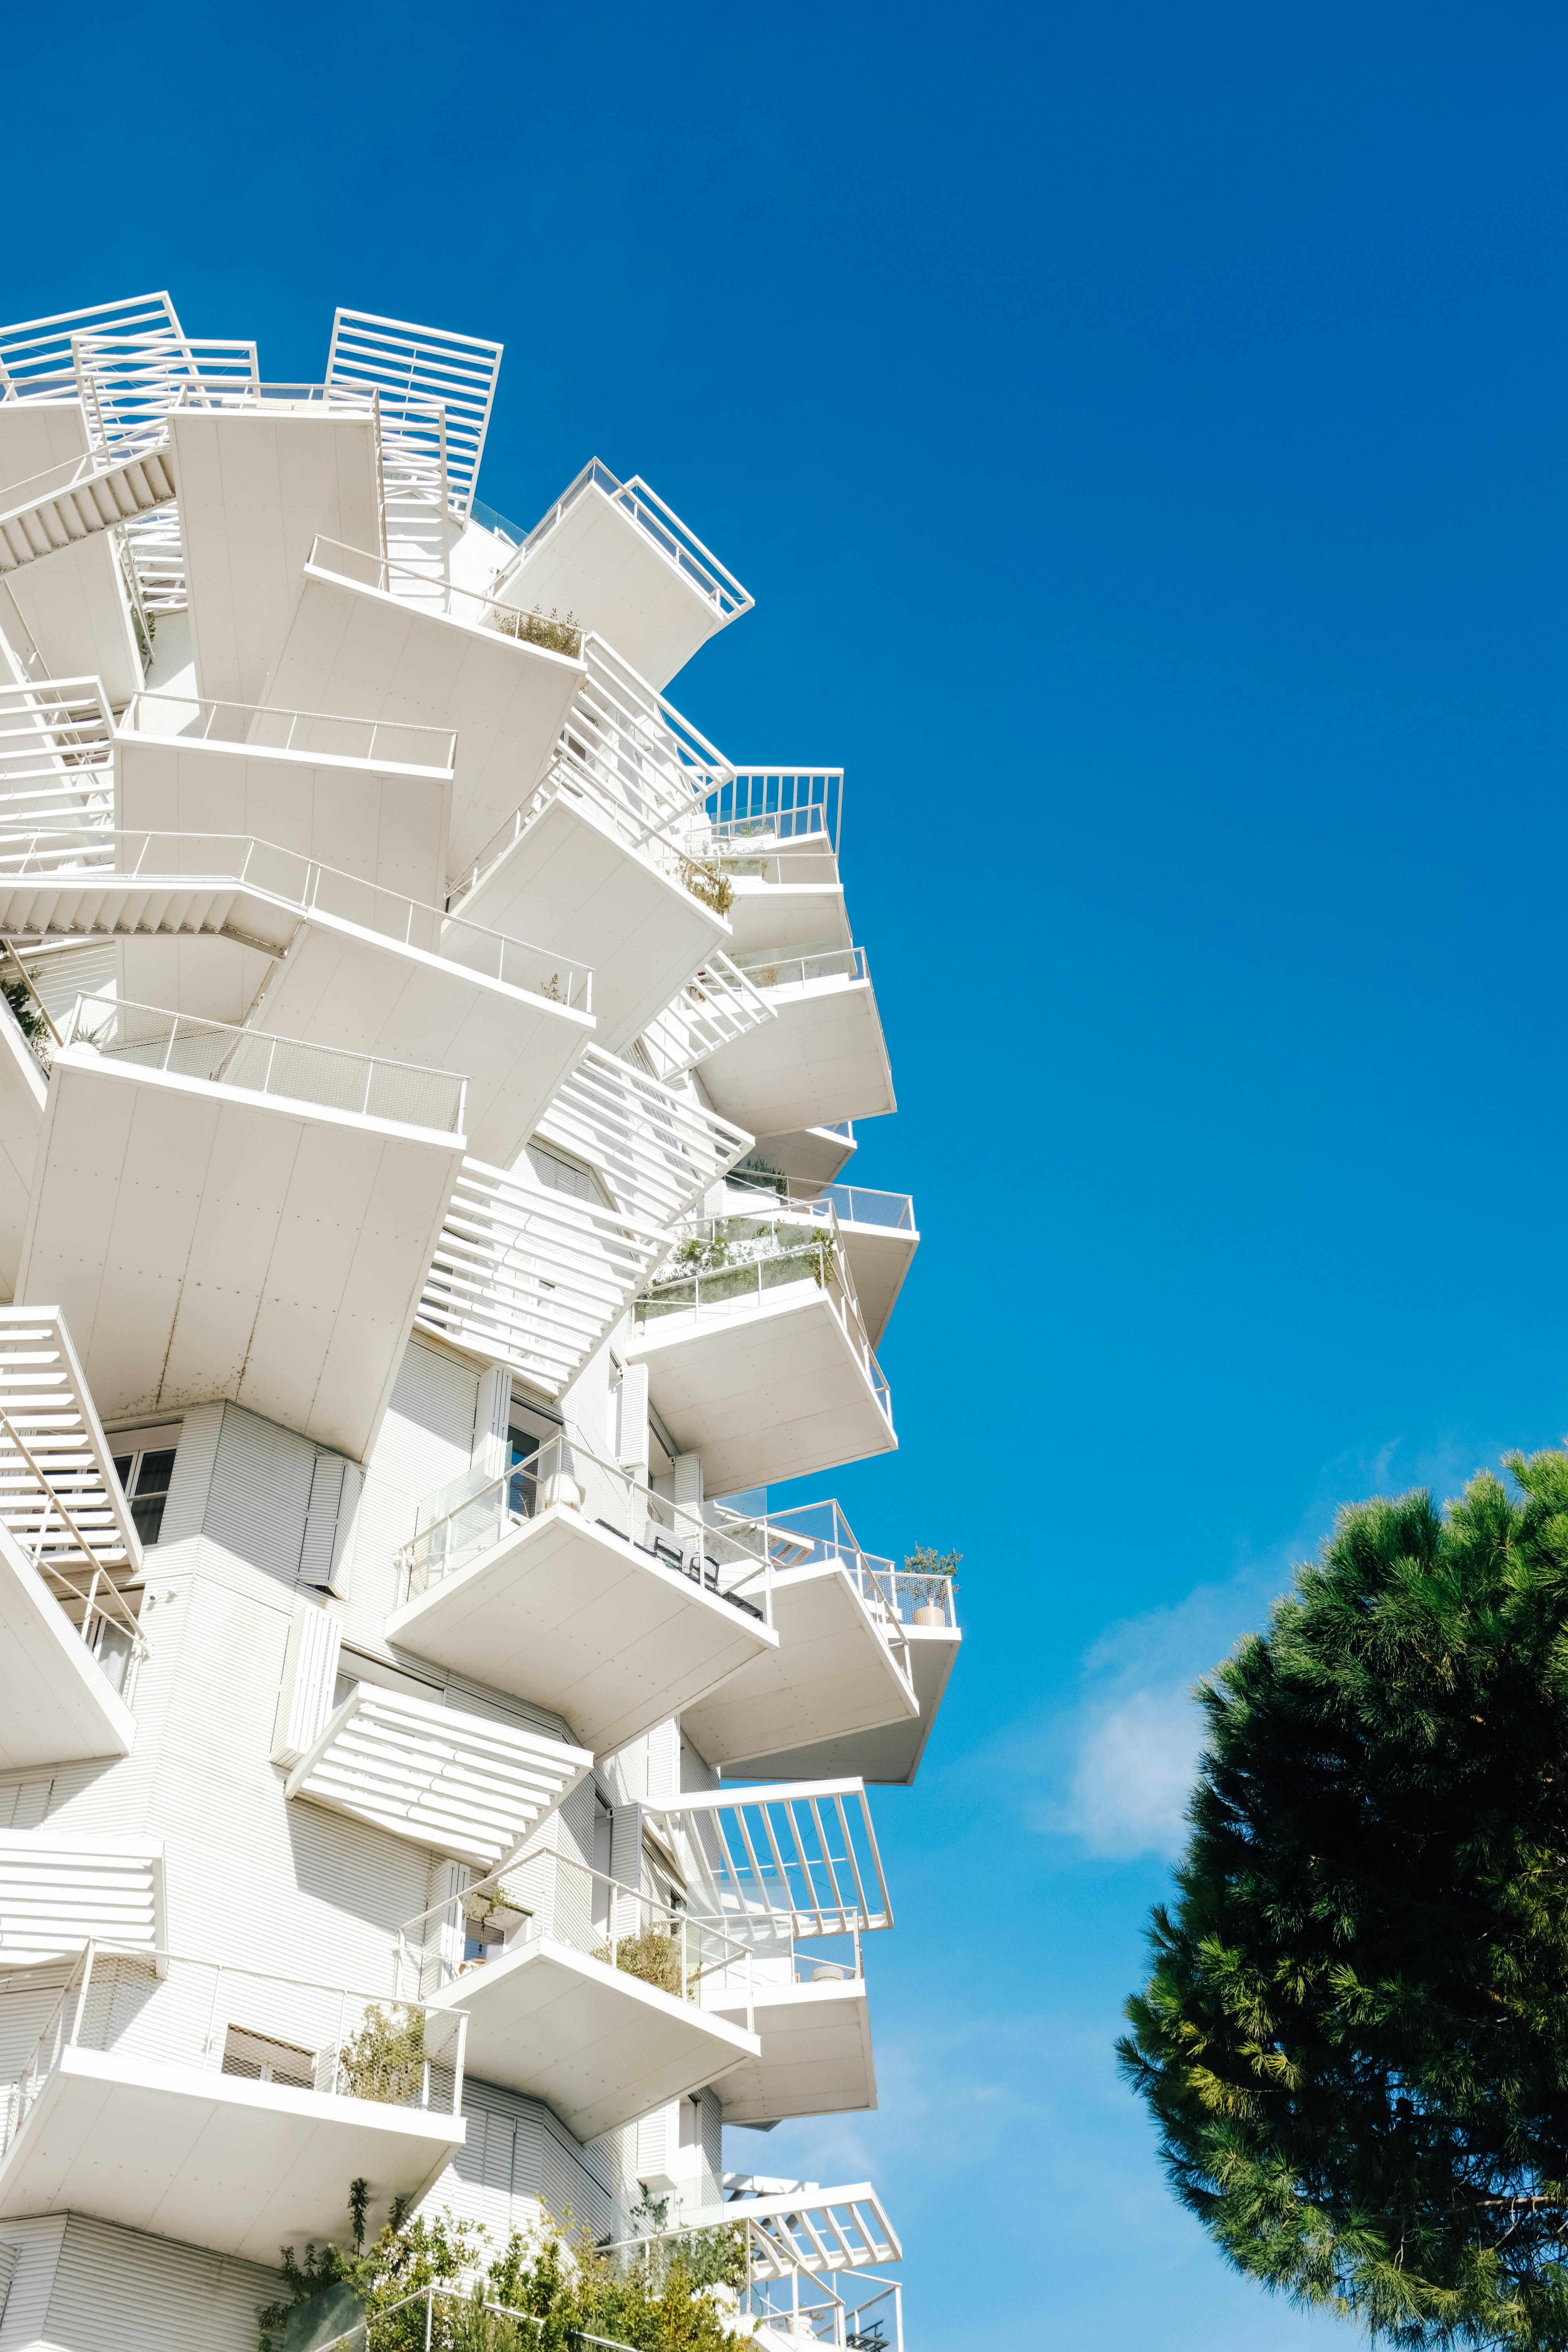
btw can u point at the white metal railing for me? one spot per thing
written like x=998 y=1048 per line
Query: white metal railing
x=759 y=808
x=35 y=358
x=428 y=366
x=727 y=1560
x=151 y=1038
x=851 y=1205
x=732 y=1289
x=806 y=1535
x=718 y=1005
x=56 y=754
x=306 y=886
x=778 y=1863
x=542 y=1893
x=76 y=1551
x=219 y=2018
x=531 y=1277
x=856 y=2322
x=361 y=568
x=765 y=968
x=660 y=525
x=656 y=1151
x=309 y=734
x=795 y=2230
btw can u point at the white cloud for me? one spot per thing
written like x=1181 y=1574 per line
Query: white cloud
x=1133 y=1771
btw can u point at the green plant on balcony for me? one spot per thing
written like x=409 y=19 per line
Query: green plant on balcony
x=385 y=2059
x=706 y=879
x=702 y=1254
x=932 y=1574
x=556 y=636
x=653 y=1954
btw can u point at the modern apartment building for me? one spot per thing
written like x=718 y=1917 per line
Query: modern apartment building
x=428 y=1077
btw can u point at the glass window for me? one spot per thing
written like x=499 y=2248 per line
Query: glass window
x=564 y=1175
x=145 y=1479
x=523 y=1493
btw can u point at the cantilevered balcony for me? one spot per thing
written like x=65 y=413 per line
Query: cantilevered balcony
x=222 y=928
x=820 y=1059
x=371 y=799
x=757 y=1358
x=607 y=856
x=228 y=1212
x=812 y=2019
x=813 y=2258
x=222 y=2107
x=70 y=1559
x=386 y=642
x=580 y=1991
x=458 y=1783
x=569 y=1583
x=66 y=591
x=717 y=1006
x=613 y=553
x=842 y=1669
x=876 y=1231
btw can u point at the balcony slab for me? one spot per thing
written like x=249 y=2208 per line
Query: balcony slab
x=888 y=1756
x=821 y=1060
x=575 y=1616
x=815 y=2057
x=72 y=603
x=59 y=1707
x=215 y=2160
x=832 y=1675
x=597 y=2045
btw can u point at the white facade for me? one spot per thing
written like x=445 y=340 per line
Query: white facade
x=424 y=1064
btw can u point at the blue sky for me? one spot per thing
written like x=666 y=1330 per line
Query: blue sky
x=1143 y=431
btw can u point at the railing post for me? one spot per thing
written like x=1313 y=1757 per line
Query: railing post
x=81 y=1997
x=210 y=2035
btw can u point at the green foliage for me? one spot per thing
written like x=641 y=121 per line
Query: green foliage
x=24 y=1004
x=706 y=879
x=937 y=1570
x=385 y=2059
x=1355 y=2038
x=668 y=2298
x=556 y=636
x=703 y=1254
x=654 y=1954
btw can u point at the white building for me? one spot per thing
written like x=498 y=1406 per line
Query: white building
x=428 y=1070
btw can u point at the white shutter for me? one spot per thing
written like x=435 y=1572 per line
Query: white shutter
x=335 y=1492
x=309 y=1673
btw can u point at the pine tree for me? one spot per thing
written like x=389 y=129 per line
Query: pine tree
x=1355 y=2042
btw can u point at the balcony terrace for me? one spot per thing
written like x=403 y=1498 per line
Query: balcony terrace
x=615 y=555
x=876 y=1231
x=216 y=2105
x=812 y=2260
x=822 y=1058
x=843 y=1666
x=580 y=1991
x=566 y=1581
x=368 y=799
x=289 y=1196
x=224 y=928
x=63 y=588
x=757 y=1358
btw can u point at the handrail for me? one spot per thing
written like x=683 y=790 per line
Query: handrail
x=303 y=883
x=121 y=1615
x=675 y=539
x=845 y=1200
x=468 y=606
x=766 y=968
x=343 y=2060
x=809 y=1535
x=266 y=728
x=725 y=1560
x=802 y=805
x=579 y=1924
x=259 y=1061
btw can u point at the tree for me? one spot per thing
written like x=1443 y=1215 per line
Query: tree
x=1355 y=2042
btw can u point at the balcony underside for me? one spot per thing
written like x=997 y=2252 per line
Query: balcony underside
x=816 y=2055
x=599 y=565
x=216 y=2160
x=23 y=1094
x=360 y=993
x=58 y=1706
x=889 y=1756
x=385 y=823
x=879 y=1258
x=574 y=1616
x=207 y=1242
x=822 y=1060
x=71 y=603
x=257 y=486
x=358 y=649
x=775 y=1391
x=789 y=916
x=571 y=885
x=598 y=2046
x=832 y=1676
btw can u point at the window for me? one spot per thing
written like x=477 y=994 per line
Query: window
x=523 y=1493
x=560 y=1175
x=262 y=2059
x=114 y=1645
x=144 y=1475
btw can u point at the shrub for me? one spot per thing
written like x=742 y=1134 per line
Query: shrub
x=556 y=636
x=385 y=2059
x=654 y=1954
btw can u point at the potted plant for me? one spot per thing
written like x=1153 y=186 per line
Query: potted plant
x=934 y=1575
